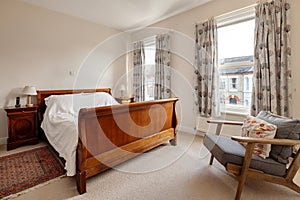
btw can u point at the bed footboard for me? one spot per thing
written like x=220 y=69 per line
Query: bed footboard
x=111 y=135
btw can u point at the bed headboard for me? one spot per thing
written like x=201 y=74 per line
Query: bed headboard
x=42 y=94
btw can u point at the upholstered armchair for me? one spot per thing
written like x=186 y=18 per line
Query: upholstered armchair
x=236 y=153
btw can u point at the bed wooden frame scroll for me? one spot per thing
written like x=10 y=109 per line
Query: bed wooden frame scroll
x=102 y=144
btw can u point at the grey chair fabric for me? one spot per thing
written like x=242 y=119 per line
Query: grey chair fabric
x=226 y=150
x=287 y=128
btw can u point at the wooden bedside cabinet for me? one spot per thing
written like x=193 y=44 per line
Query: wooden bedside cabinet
x=22 y=126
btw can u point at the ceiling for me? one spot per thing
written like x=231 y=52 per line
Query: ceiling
x=120 y=14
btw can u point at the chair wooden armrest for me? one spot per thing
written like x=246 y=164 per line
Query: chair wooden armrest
x=287 y=142
x=244 y=171
x=225 y=122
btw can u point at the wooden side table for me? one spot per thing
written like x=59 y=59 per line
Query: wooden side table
x=22 y=126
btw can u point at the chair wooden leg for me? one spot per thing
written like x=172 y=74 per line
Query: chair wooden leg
x=211 y=159
x=244 y=171
x=240 y=187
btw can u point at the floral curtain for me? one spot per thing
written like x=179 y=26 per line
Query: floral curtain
x=207 y=76
x=162 y=87
x=272 y=70
x=139 y=71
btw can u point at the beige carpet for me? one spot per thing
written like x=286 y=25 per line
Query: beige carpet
x=167 y=172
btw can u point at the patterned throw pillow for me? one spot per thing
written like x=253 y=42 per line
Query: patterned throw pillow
x=257 y=128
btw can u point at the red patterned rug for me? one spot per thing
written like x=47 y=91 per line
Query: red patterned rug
x=27 y=169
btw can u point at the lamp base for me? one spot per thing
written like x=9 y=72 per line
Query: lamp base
x=29 y=104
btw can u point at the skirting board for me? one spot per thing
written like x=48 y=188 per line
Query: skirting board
x=190 y=130
x=186 y=129
x=3 y=141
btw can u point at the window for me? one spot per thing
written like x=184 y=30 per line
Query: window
x=247 y=84
x=149 y=45
x=235 y=52
x=233 y=83
x=247 y=89
x=222 y=83
x=152 y=79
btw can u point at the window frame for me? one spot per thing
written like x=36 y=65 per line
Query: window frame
x=235 y=17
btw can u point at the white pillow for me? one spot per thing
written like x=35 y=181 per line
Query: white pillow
x=257 y=128
x=72 y=103
x=97 y=99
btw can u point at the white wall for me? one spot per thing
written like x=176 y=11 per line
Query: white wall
x=39 y=47
x=184 y=24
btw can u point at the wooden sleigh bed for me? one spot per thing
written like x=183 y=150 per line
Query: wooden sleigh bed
x=110 y=135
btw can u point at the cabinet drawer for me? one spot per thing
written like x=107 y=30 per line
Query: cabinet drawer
x=22 y=126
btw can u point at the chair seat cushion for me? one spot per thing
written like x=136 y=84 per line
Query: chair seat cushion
x=226 y=150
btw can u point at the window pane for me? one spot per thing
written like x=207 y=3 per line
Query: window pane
x=149 y=70
x=150 y=54
x=235 y=52
x=236 y=40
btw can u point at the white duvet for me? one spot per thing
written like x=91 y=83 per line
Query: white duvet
x=60 y=122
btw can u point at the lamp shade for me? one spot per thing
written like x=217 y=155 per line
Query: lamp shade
x=29 y=90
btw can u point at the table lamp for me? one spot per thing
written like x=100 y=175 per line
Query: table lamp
x=122 y=90
x=29 y=91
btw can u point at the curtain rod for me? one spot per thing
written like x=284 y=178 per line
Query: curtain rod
x=230 y=13
x=236 y=11
x=153 y=36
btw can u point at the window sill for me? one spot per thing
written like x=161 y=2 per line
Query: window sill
x=239 y=114
x=236 y=110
